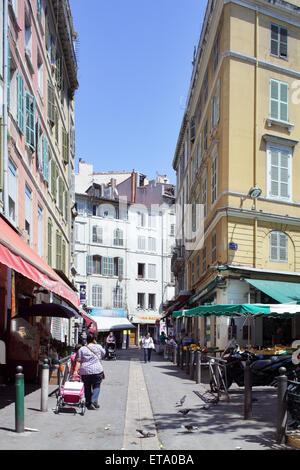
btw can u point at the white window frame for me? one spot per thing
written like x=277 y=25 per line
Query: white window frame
x=279 y=101
x=97 y=300
x=279 y=236
x=281 y=150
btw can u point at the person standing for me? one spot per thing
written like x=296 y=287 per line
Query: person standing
x=91 y=370
x=147 y=344
x=110 y=340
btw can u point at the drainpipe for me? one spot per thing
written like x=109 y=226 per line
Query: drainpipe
x=5 y=126
x=255 y=138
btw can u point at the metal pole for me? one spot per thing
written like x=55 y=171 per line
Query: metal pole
x=45 y=385
x=192 y=358
x=178 y=355
x=174 y=354
x=247 y=392
x=182 y=352
x=19 y=405
x=281 y=406
x=187 y=365
x=198 y=367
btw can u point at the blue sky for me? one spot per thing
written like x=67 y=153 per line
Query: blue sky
x=134 y=72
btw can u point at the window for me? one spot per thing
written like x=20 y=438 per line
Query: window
x=30 y=120
x=117 y=297
x=97 y=234
x=204 y=196
x=279 y=98
x=40 y=231
x=172 y=230
x=214 y=248
x=141 y=242
x=28 y=203
x=192 y=273
x=141 y=219
x=118 y=237
x=108 y=266
x=199 y=151
x=214 y=179
x=39 y=8
x=51 y=104
x=49 y=251
x=28 y=36
x=151 y=302
x=279 y=173
x=192 y=129
x=119 y=267
x=12 y=191
x=216 y=52
x=140 y=300
x=279 y=41
x=205 y=87
x=278 y=247
x=199 y=109
x=96 y=264
x=141 y=270
x=203 y=259
x=215 y=109
x=97 y=296
x=205 y=143
x=60 y=194
x=45 y=163
x=151 y=244
x=151 y=271
x=40 y=75
x=63 y=256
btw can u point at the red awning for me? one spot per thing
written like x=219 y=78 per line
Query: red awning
x=90 y=323
x=17 y=254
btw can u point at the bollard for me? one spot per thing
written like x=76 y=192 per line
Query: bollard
x=281 y=406
x=187 y=364
x=19 y=405
x=192 y=359
x=198 y=367
x=45 y=385
x=174 y=354
x=247 y=392
x=181 y=357
x=178 y=356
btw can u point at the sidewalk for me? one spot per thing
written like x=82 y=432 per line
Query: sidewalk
x=136 y=395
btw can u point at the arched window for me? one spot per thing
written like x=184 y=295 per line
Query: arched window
x=118 y=237
x=278 y=247
x=97 y=296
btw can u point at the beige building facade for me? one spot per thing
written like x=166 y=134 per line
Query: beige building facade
x=238 y=157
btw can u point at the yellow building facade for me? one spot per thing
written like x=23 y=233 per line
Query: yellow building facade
x=238 y=156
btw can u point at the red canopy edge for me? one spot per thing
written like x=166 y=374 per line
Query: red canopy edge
x=17 y=255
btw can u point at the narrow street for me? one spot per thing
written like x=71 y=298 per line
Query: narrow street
x=134 y=396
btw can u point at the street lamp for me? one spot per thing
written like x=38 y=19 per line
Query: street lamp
x=253 y=193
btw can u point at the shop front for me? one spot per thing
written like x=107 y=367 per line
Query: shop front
x=27 y=283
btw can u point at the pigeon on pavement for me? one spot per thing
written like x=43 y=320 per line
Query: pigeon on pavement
x=184 y=411
x=189 y=427
x=145 y=433
x=181 y=401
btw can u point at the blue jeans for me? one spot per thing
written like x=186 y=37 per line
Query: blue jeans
x=147 y=354
x=92 y=384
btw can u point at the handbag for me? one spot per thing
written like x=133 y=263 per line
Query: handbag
x=98 y=360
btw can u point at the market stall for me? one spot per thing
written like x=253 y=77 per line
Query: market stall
x=249 y=312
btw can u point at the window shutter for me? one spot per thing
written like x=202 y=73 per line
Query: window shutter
x=284 y=93
x=274 y=92
x=217 y=103
x=274 y=39
x=53 y=178
x=283 y=52
x=30 y=120
x=89 y=265
x=51 y=103
x=120 y=268
x=283 y=247
x=60 y=193
x=20 y=82
x=65 y=146
x=45 y=158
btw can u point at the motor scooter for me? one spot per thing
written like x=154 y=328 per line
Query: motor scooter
x=264 y=372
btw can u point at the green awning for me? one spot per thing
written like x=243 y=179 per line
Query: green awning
x=239 y=310
x=283 y=292
x=204 y=291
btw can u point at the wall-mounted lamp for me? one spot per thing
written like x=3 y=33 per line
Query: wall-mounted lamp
x=253 y=193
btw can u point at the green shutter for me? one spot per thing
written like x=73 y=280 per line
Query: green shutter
x=30 y=120
x=45 y=158
x=65 y=146
x=20 y=82
x=60 y=193
x=51 y=103
x=53 y=179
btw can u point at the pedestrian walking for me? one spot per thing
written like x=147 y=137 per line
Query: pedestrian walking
x=91 y=370
x=147 y=344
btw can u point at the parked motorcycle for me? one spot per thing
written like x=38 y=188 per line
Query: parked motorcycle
x=263 y=371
